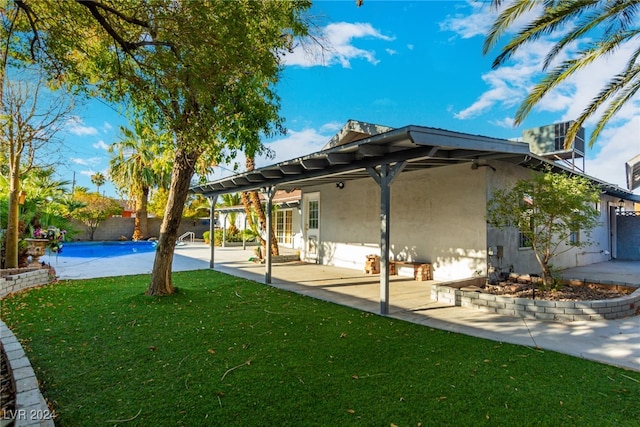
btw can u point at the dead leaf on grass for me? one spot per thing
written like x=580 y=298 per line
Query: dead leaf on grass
x=212 y=351
x=351 y=411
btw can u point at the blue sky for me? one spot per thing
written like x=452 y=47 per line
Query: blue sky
x=398 y=63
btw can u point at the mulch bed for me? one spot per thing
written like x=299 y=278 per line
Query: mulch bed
x=566 y=293
x=7 y=392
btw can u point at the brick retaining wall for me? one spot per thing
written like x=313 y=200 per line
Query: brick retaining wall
x=614 y=308
x=30 y=407
x=17 y=279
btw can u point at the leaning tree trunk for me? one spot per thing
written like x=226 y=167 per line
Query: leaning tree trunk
x=255 y=198
x=183 y=169
x=257 y=205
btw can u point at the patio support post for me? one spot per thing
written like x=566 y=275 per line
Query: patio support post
x=385 y=178
x=268 y=192
x=212 y=228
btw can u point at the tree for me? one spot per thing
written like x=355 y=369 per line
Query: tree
x=547 y=209
x=137 y=166
x=98 y=180
x=608 y=24
x=252 y=204
x=96 y=209
x=30 y=118
x=205 y=71
x=231 y=200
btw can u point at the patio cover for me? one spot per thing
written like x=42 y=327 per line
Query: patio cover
x=382 y=157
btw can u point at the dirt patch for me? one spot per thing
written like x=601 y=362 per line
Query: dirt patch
x=566 y=293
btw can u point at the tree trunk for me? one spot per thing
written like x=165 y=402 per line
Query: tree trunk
x=262 y=216
x=183 y=169
x=12 y=235
x=257 y=205
x=140 y=230
x=246 y=202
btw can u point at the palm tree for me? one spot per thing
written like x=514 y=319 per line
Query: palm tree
x=609 y=24
x=98 y=180
x=137 y=166
x=230 y=200
x=251 y=199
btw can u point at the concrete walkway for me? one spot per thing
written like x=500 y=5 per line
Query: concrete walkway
x=615 y=342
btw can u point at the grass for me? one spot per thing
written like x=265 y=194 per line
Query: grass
x=227 y=351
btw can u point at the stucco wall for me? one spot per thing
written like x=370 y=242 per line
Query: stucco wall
x=437 y=216
x=523 y=260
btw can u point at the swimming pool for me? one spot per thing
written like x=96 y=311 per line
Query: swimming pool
x=104 y=249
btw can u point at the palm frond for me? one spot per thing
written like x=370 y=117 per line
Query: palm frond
x=627 y=92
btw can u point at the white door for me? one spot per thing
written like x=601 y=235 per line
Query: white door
x=311 y=226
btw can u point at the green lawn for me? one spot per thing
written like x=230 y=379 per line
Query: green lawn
x=228 y=351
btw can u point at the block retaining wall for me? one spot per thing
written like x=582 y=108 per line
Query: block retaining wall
x=17 y=279
x=614 y=308
x=30 y=407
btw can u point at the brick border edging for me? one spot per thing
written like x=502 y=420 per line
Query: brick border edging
x=18 y=279
x=613 y=308
x=30 y=407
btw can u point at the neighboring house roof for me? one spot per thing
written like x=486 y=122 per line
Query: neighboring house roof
x=127 y=205
x=281 y=198
x=352 y=152
x=633 y=173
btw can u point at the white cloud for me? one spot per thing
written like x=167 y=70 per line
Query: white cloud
x=76 y=126
x=391 y=51
x=506 y=123
x=106 y=127
x=331 y=127
x=296 y=144
x=335 y=46
x=86 y=162
x=510 y=84
x=101 y=145
x=619 y=144
x=478 y=22
x=410 y=46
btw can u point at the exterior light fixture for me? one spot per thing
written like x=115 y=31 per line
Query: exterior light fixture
x=340 y=185
x=477 y=163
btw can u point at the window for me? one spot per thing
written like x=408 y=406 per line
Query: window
x=284 y=226
x=525 y=242
x=574 y=237
x=313 y=213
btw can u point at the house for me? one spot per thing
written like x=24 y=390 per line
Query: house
x=415 y=194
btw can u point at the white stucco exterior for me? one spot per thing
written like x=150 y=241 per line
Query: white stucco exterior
x=438 y=216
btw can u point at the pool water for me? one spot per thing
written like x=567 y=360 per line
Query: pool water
x=104 y=249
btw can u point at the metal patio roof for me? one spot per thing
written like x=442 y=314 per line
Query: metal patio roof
x=421 y=148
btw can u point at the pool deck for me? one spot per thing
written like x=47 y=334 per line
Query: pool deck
x=615 y=342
